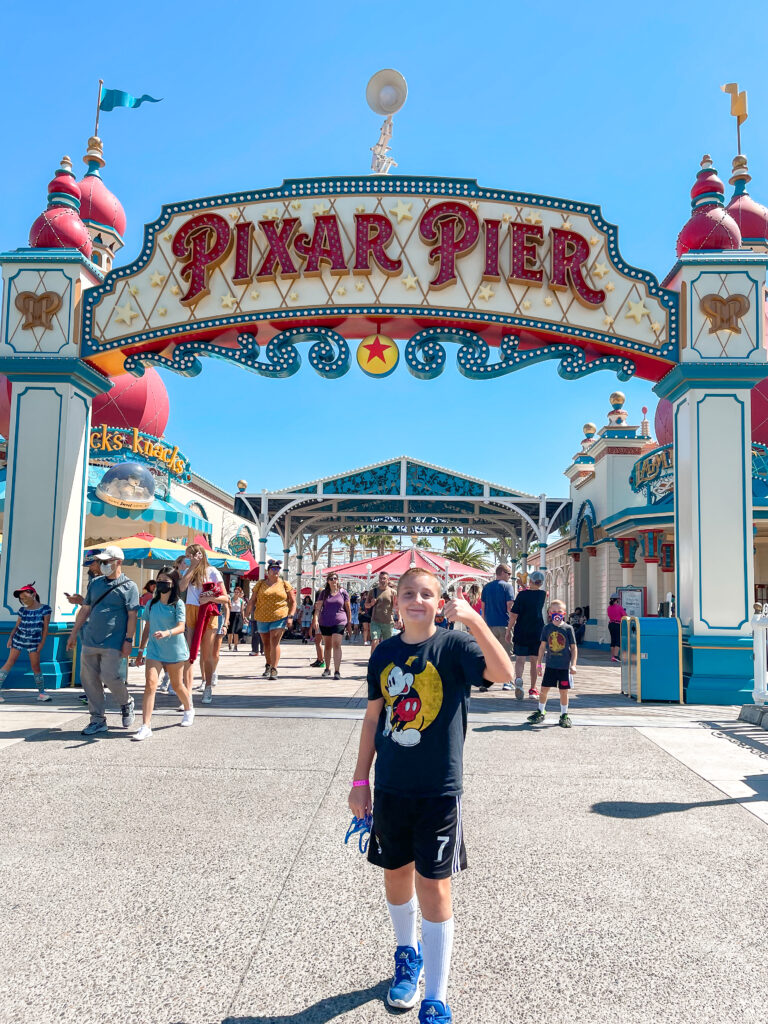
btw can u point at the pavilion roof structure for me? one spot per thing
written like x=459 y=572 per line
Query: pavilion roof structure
x=403 y=496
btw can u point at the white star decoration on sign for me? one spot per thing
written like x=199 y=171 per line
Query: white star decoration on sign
x=485 y=292
x=125 y=314
x=156 y=279
x=637 y=311
x=228 y=301
x=402 y=211
x=410 y=282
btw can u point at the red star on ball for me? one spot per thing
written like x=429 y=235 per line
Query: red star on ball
x=376 y=350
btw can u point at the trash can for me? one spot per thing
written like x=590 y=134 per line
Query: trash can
x=652 y=659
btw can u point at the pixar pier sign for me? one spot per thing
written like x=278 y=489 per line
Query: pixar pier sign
x=250 y=276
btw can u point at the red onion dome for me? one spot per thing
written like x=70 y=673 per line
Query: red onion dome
x=662 y=422
x=140 y=402
x=710 y=225
x=59 y=226
x=751 y=216
x=98 y=206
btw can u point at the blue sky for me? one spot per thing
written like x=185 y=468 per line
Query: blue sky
x=613 y=105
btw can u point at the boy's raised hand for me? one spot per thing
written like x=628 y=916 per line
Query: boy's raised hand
x=459 y=609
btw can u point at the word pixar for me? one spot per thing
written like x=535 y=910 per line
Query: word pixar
x=451 y=230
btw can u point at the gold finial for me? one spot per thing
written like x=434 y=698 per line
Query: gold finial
x=740 y=170
x=738 y=108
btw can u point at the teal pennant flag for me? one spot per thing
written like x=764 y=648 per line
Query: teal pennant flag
x=111 y=98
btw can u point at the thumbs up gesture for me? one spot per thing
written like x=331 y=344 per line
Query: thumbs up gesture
x=459 y=609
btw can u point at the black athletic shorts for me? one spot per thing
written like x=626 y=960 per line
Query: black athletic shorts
x=558 y=677
x=523 y=649
x=332 y=630
x=427 y=830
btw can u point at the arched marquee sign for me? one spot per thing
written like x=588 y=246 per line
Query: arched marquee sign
x=408 y=265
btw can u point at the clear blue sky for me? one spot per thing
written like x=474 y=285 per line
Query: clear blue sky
x=609 y=104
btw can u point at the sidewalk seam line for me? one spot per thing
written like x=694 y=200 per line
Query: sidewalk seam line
x=289 y=872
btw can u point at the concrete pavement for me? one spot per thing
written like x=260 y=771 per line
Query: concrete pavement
x=201 y=877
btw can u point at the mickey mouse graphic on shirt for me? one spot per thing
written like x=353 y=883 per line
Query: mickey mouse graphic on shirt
x=413 y=697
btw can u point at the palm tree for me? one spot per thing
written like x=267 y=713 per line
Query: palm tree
x=421 y=542
x=350 y=541
x=384 y=542
x=466 y=551
x=494 y=546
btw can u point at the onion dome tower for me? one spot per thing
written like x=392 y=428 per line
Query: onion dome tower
x=100 y=210
x=751 y=216
x=60 y=226
x=710 y=225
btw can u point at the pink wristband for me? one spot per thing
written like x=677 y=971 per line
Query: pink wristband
x=360 y=782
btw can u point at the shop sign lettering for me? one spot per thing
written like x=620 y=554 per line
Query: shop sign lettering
x=108 y=444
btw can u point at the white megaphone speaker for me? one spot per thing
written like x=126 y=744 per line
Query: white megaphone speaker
x=386 y=92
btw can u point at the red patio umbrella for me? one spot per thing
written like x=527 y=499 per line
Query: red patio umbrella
x=397 y=562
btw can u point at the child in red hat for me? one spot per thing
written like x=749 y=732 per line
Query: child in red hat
x=29 y=634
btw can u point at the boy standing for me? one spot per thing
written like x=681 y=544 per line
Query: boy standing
x=415 y=725
x=558 y=641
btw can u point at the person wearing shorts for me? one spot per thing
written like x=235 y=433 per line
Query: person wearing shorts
x=496 y=601
x=525 y=621
x=381 y=605
x=331 y=616
x=558 y=642
x=273 y=603
x=415 y=725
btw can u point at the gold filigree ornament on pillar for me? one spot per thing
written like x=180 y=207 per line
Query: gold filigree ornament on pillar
x=724 y=313
x=38 y=310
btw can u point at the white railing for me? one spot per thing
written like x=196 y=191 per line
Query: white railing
x=759 y=636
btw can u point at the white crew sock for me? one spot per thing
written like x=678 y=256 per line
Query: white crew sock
x=542 y=707
x=437 y=942
x=404 y=922
x=563 y=709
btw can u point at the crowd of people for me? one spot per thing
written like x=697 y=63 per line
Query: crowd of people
x=187 y=612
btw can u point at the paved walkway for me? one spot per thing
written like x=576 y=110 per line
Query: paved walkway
x=617 y=870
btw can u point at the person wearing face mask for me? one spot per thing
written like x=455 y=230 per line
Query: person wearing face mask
x=166 y=647
x=107 y=622
x=558 y=643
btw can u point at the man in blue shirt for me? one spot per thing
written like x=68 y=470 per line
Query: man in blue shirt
x=497 y=599
x=107 y=620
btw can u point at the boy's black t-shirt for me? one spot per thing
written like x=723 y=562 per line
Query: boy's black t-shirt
x=558 y=641
x=421 y=729
x=528 y=606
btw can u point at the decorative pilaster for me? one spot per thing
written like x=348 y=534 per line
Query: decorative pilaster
x=627 y=549
x=723 y=356
x=51 y=393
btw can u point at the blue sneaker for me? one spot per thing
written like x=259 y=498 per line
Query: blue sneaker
x=432 y=1011
x=409 y=966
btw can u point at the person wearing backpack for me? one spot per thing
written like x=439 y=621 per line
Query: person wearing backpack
x=107 y=620
x=273 y=603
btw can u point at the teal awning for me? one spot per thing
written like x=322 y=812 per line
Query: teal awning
x=162 y=510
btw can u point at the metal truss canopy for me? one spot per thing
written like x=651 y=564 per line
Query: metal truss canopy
x=402 y=495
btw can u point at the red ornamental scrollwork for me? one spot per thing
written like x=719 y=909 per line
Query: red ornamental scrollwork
x=456 y=230
x=205 y=242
